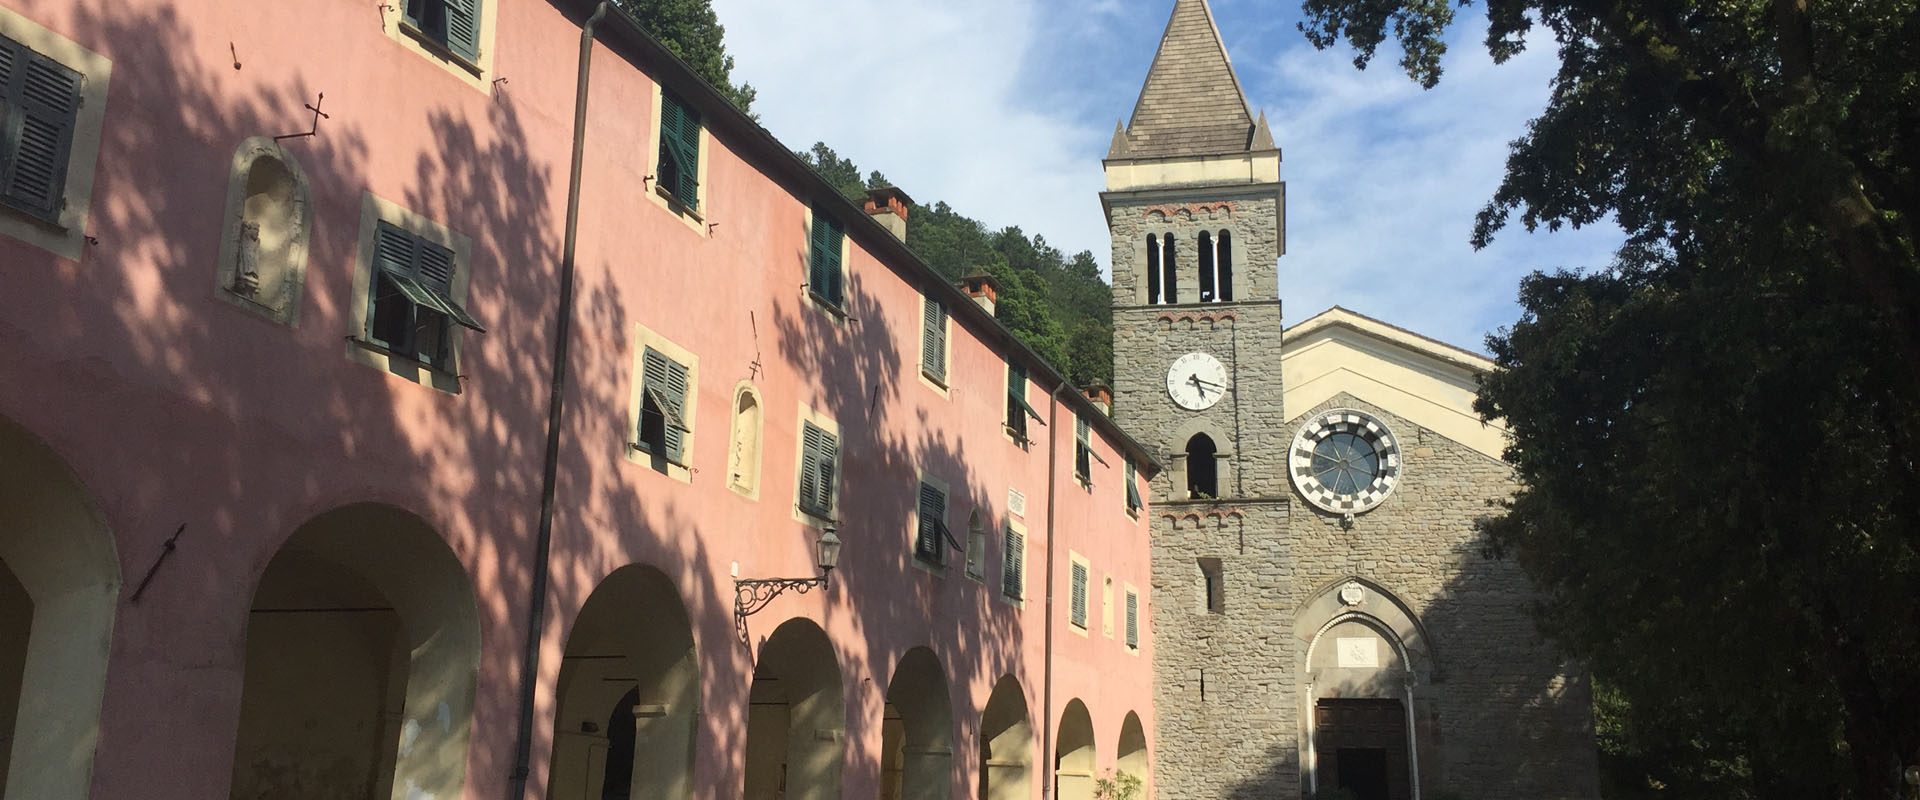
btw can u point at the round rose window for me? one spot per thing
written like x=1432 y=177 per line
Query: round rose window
x=1344 y=461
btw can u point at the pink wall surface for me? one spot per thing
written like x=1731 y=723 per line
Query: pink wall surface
x=173 y=406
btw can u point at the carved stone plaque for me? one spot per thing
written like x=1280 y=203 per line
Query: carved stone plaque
x=1358 y=652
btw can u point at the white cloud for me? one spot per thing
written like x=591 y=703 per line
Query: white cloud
x=1001 y=108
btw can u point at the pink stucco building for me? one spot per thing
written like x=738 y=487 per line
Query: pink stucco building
x=282 y=512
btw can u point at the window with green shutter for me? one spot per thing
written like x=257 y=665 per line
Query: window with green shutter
x=1013 y=557
x=933 y=341
x=932 y=536
x=824 y=269
x=819 y=465
x=1082 y=451
x=663 y=405
x=454 y=24
x=678 y=172
x=1133 y=621
x=1079 y=608
x=1133 y=489
x=39 y=103
x=1018 y=409
x=411 y=310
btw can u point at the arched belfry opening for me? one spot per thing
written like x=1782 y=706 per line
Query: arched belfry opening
x=1006 y=744
x=59 y=583
x=362 y=647
x=1204 y=254
x=916 y=754
x=1169 y=269
x=1365 y=660
x=796 y=717
x=1074 y=755
x=1153 y=269
x=1223 y=266
x=628 y=694
x=1203 y=468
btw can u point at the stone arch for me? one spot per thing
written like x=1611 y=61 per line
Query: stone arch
x=362 y=647
x=916 y=754
x=1006 y=743
x=1181 y=474
x=1075 y=755
x=1132 y=750
x=1153 y=268
x=1169 y=268
x=59 y=581
x=796 y=718
x=265 y=232
x=743 y=445
x=1364 y=662
x=1223 y=266
x=628 y=697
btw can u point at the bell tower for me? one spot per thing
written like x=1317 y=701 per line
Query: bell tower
x=1197 y=210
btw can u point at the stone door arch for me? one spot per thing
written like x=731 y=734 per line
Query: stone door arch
x=1363 y=660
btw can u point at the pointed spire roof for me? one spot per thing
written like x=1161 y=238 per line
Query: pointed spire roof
x=1192 y=103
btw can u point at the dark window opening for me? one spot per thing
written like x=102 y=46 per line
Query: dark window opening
x=1213 y=586
x=1153 y=269
x=1203 y=468
x=1170 y=272
x=617 y=782
x=453 y=23
x=1206 y=268
x=1224 y=265
x=678 y=171
x=653 y=426
x=1018 y=409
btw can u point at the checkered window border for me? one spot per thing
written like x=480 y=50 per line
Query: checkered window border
x=1344 y=420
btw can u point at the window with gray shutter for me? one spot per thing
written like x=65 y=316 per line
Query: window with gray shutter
x=931 y=539
x=819 y=454
x=1133 y=620
x=411 y=308
x=933 y=341
x=454 y=24
x=1013 y=581
x=41 y=100
x=663 y=407
x=1079 y=609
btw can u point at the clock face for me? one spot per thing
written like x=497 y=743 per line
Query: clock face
x=1344 y=461
x=1196 y=381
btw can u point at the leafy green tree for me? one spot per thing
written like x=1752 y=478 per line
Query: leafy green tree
x=1716 y=435
x=692 y=32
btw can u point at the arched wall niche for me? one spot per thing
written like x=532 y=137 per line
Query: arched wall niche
x=362 y=651
x=59 y=583
x=744 y=443
x=266 y=229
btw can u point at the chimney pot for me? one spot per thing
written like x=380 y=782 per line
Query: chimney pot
x=1101 y=396
x=888 y=205
x=984 y=290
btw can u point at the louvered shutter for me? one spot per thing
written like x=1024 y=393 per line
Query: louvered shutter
x=819 y=451
x=1133 y=620
x=463 y=28
x=1013 y=560
x=666 y=379
x=1082 y=451
x=689 y=135
x=823 y=277
x=1080 y=595
x=933 y=511
x=1016 y=399
x=43 y=100
x=933 y=340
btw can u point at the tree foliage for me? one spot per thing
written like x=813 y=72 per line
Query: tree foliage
x=1055 y=304
x=1716 y=435
x=690 y=30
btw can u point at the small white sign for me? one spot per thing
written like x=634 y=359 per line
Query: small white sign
x=1016 y=503
x=1360 y=652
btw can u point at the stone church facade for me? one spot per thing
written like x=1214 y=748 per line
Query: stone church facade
x=1326 y=623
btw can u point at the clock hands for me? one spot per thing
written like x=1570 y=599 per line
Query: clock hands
x=1202 y=385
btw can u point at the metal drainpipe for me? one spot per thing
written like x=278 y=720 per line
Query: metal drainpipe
x=1046 y=692
x=549 y=479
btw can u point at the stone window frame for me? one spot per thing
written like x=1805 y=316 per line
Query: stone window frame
x=374 y=210
x=838 y=315
x=639 y=341
x=694 y=219
x=942 y=388
x=1223 y=457
x=249 y=153
x=1000 y=593
x=1132 y=593
x=475 y=73
x=749 y=488
x=66 y=236
x=827 y=423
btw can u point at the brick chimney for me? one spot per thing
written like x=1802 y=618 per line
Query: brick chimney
x=889 y=205
x=984 y=290
x=1101 y=396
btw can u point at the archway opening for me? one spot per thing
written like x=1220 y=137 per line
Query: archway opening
x=59 y=580
x=628 y=694
x=1223 y=284
x=1204 y=251
x=1133 y=749
x=1358 y=736
x=1073 y=759
x=1006 y=744
x=1169 y=269
x=1153 y=269
x=918 y=743
x=362 y=647
x=1203 y=468
x=796 y=717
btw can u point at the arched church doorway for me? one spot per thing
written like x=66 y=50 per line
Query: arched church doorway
x=628 y=694
x=917 y=735
x=1006 y=744
x=796 y=717
x=1073 y=759
x=59 y=580
x=362 y=647
x=1203 y=468
x=1365 y=656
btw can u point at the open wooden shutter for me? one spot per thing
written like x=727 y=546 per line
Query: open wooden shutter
x=1133 y=487
x=419 y=269
x=665 y=381
x=689 y=144
x=1082 y=450
x=1012 y=562
x=1080 y=595
x=463 y=28
x=933 y=340
x=43 y=99
x=933 y=510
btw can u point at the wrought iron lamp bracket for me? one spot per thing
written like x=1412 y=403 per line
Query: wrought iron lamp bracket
x=752 y=595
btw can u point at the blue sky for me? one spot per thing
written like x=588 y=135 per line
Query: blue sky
x=1004 y=108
